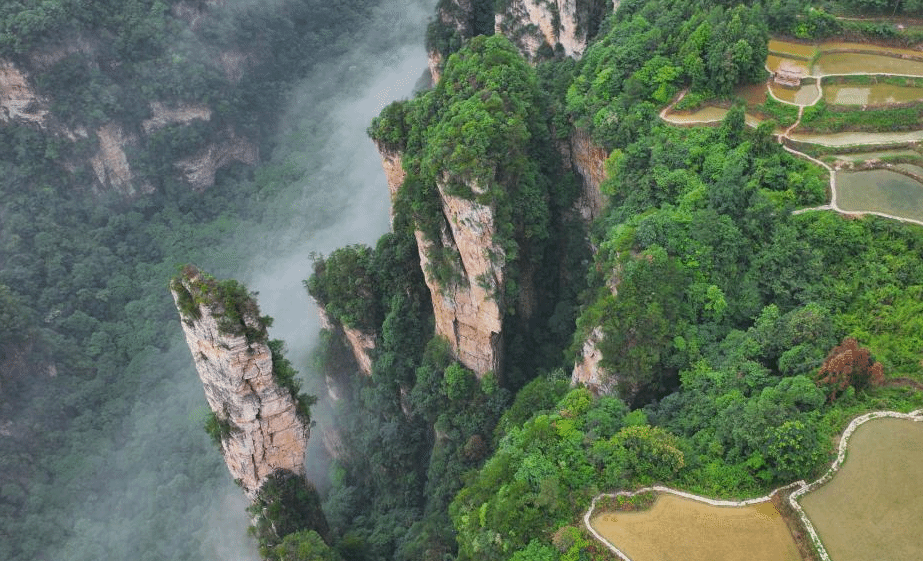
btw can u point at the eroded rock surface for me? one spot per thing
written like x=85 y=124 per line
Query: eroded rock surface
x=110 y=164
x=265 y=431
x=394 y=169
x=529 y=24
x=18 y=100
x=199 y=170
x=587 y=369
x=466 y=309
x=588 y=159
x=361 y=344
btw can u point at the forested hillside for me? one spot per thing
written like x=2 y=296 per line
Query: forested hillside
x=723 y=320
x=735 y=339
x=98 y=457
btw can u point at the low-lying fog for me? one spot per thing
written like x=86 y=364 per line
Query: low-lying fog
x=170 y=491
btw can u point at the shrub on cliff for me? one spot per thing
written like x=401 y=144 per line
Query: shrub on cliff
x=285 y=504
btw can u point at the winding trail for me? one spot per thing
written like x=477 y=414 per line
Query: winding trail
x=802 y=487
x=786 y=135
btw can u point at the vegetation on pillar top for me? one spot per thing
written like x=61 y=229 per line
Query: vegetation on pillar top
x=234 y=307
x=481 y=135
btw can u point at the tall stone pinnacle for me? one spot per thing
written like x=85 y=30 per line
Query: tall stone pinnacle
x=261 y=424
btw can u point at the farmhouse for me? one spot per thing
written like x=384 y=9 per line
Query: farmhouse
x=789 y=74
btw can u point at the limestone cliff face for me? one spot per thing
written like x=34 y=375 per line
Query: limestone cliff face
x=391 y=161
x=110 y=164
x=529 y=24
x=467 y=311
x=361 y=343
x=18 y=100
x=266 y=433
x=455 y=17
x=588 y=160
x=199 y=170
x=434 y=60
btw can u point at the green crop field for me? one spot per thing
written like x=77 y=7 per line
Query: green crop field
x=880 y=191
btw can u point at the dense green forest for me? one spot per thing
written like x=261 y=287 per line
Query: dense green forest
x=101 y=411
x=730 y=315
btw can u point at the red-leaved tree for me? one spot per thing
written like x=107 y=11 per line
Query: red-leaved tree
x=846 y=365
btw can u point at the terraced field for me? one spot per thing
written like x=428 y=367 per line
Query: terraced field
x=865 y=507
x=880 y=190
x=844 y=75
x=699 y=532
x=871 y=509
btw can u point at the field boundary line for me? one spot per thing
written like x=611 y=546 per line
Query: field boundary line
x=802 y=487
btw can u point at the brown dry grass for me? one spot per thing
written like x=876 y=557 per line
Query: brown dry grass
x=679 y=528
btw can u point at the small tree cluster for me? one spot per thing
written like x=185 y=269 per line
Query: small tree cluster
x=849 y=365
x=285 y=504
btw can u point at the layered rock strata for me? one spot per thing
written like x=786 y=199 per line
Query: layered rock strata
x=466 y=309
x=588 y=160
x=361 y=344
x=529 y=24
x=264 y=432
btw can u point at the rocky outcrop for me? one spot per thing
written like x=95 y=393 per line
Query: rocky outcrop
x=529 y=24
x=110 y=164
x=161 y=116
x=588 y=160
x=587 y=370
x=361 y=343
x=262 y=429
x=199 y=170
x=467 y=309
x=18 y=100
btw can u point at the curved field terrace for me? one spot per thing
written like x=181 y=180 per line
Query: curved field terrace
x=854 y=77
x=864 y=508
x=872 y=509
x=681 y=528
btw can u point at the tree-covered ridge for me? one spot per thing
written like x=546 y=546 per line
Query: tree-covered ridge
x=479 y=134
x=722 y=313
x=647 y=50
x=88 y=321
x=100 y=63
